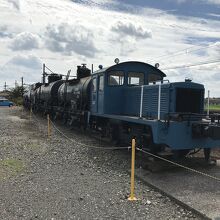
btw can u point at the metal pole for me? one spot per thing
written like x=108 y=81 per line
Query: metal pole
x=44 y=73
x=208 y=103
x=132 y=196
x=22 y=85
x=92 y=68
x=141 y=101
x=30 y=113
x=48 y=126
x=159 y=98
x=5 y=86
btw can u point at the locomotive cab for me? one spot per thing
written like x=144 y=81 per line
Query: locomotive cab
x=110 y=86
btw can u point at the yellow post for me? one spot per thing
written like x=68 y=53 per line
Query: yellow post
x=30 y=113
x=48 y=126
x=132 y=197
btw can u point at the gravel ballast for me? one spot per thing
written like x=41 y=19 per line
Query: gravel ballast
x=43 y=178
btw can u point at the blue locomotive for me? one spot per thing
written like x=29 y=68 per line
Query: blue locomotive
x=131 y=99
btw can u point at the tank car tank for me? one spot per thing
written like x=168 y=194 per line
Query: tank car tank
x=74 y=94
x=47 y=94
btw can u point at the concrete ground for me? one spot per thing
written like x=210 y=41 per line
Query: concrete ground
x=198 y=191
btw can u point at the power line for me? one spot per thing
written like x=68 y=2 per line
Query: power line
x=186 y=51
x=49 y=69
x=192 y=65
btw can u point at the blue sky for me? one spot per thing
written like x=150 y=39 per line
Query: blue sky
x=194 y=8
x=66 y=33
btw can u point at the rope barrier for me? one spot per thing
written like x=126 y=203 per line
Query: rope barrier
x=179 y=165
x=79 y=143
x=85 y=145
x=139 y=149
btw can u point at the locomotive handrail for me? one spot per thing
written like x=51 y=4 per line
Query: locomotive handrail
x=141 y=101
x=159 y=101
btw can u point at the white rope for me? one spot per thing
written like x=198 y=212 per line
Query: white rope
x=141 y=150
x=85 y=145
x=179 y=165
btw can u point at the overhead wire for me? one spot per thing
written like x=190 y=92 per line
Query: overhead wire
x=193 y=65
x=186 y=51
x=49 y=69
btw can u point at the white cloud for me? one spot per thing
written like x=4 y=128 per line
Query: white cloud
x=15 y=4
x=25 y=41
x=27 y=66
x=4 y=32
x=28 y=61
x=70 y=39
x=217 y=2
x=71 y=33
x=130 y=29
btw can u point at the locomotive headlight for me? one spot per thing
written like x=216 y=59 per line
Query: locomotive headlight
x=157 y=65
x=117 y=60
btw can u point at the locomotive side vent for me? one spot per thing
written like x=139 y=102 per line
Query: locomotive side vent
x=189 y=100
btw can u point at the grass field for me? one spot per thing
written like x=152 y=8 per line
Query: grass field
x=213 y=107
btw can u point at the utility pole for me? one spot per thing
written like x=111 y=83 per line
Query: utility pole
x=5 y=87
x=208 y=103
x=22 y=85
x=44 y=73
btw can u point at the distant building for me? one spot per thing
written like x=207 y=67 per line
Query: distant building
x=213 y=101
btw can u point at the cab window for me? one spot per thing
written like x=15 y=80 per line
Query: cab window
x=101 y=83
x=94 y=86
x=154 y=77
x=135 y=78
x=116 y=78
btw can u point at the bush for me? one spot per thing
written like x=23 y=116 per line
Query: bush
x=16 y=95
x=18 y=101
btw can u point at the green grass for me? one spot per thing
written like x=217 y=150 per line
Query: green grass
x=213 y=107
x=10 y=167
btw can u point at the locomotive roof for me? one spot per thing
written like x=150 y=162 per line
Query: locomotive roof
x=132 y=62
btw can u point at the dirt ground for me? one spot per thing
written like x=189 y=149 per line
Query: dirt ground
x=43 y=178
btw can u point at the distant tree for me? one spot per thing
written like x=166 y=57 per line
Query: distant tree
x=16 y=94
